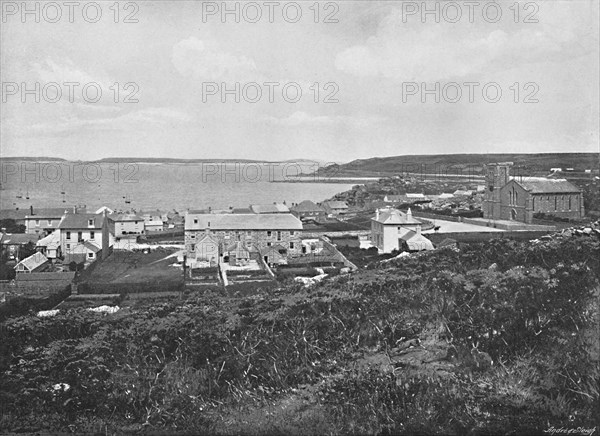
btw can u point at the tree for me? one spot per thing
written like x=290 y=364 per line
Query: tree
x=11 y=226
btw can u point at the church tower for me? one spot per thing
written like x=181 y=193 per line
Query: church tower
x=496 y=176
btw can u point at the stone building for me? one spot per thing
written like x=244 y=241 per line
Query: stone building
x=519 y=198
x=254 y=231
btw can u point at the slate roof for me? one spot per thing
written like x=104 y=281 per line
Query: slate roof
x=394 y=216
x=80 y=221
x=275 y=221
x=85 y=247
x=47 y=213
x=415 y=241
x=34 y=261
x=18 y=238
x=125 y=217
x=269 y=208
x=307 y=206
x=50 y=241
x=542 y=185
x=37 y=213
x=13 y=214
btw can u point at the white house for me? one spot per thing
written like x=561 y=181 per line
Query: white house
x=392 y=230
x=76 y=228
x=127 y=225
x=43 y=221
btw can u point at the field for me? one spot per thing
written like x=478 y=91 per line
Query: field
x=135 y=267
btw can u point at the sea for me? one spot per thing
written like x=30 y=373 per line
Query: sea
x=152 y=186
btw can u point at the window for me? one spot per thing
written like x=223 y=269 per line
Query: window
x=269 y=233
x=292 y=233
x=291 y=245
x=268 y=244
x=90 y=255
x=555 y=202
x=193 y=236
x=68 y=246
x=569 y=202
x=195 y=221
x=68 y=235
x=79 y=236
x=92 y=235
x=49 y=222
x=37 y=223
x=192 y=247
x=248 y=233
x=90 y=222
x=279 y=236
x=533 y=203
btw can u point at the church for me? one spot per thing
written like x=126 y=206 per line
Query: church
x=519 y=198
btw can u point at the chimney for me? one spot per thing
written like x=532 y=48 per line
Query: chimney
x=31 y=210
x=377 y=213
x=105 y=237
x=74 y=209
x=409 y=213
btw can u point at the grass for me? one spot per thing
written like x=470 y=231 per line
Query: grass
x=134 y=267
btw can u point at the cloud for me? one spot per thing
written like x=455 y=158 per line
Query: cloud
x=206 y=60
x=301 y=118
x=66 y=71
x=429 y=52
x=140 y=119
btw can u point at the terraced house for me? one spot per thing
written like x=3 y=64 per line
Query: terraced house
x=256 y=232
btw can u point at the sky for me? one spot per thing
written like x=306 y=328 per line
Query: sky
x=330 y=81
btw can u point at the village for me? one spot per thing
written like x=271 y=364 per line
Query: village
x=141 y=253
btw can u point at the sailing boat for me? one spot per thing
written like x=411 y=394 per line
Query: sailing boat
x=27 y=195
x=127 y=199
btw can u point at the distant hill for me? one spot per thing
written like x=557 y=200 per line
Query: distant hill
x=156 y=160
x=473 y=163
x=32 y=159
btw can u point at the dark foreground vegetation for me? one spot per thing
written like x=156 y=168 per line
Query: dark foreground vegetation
x=497 y=338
